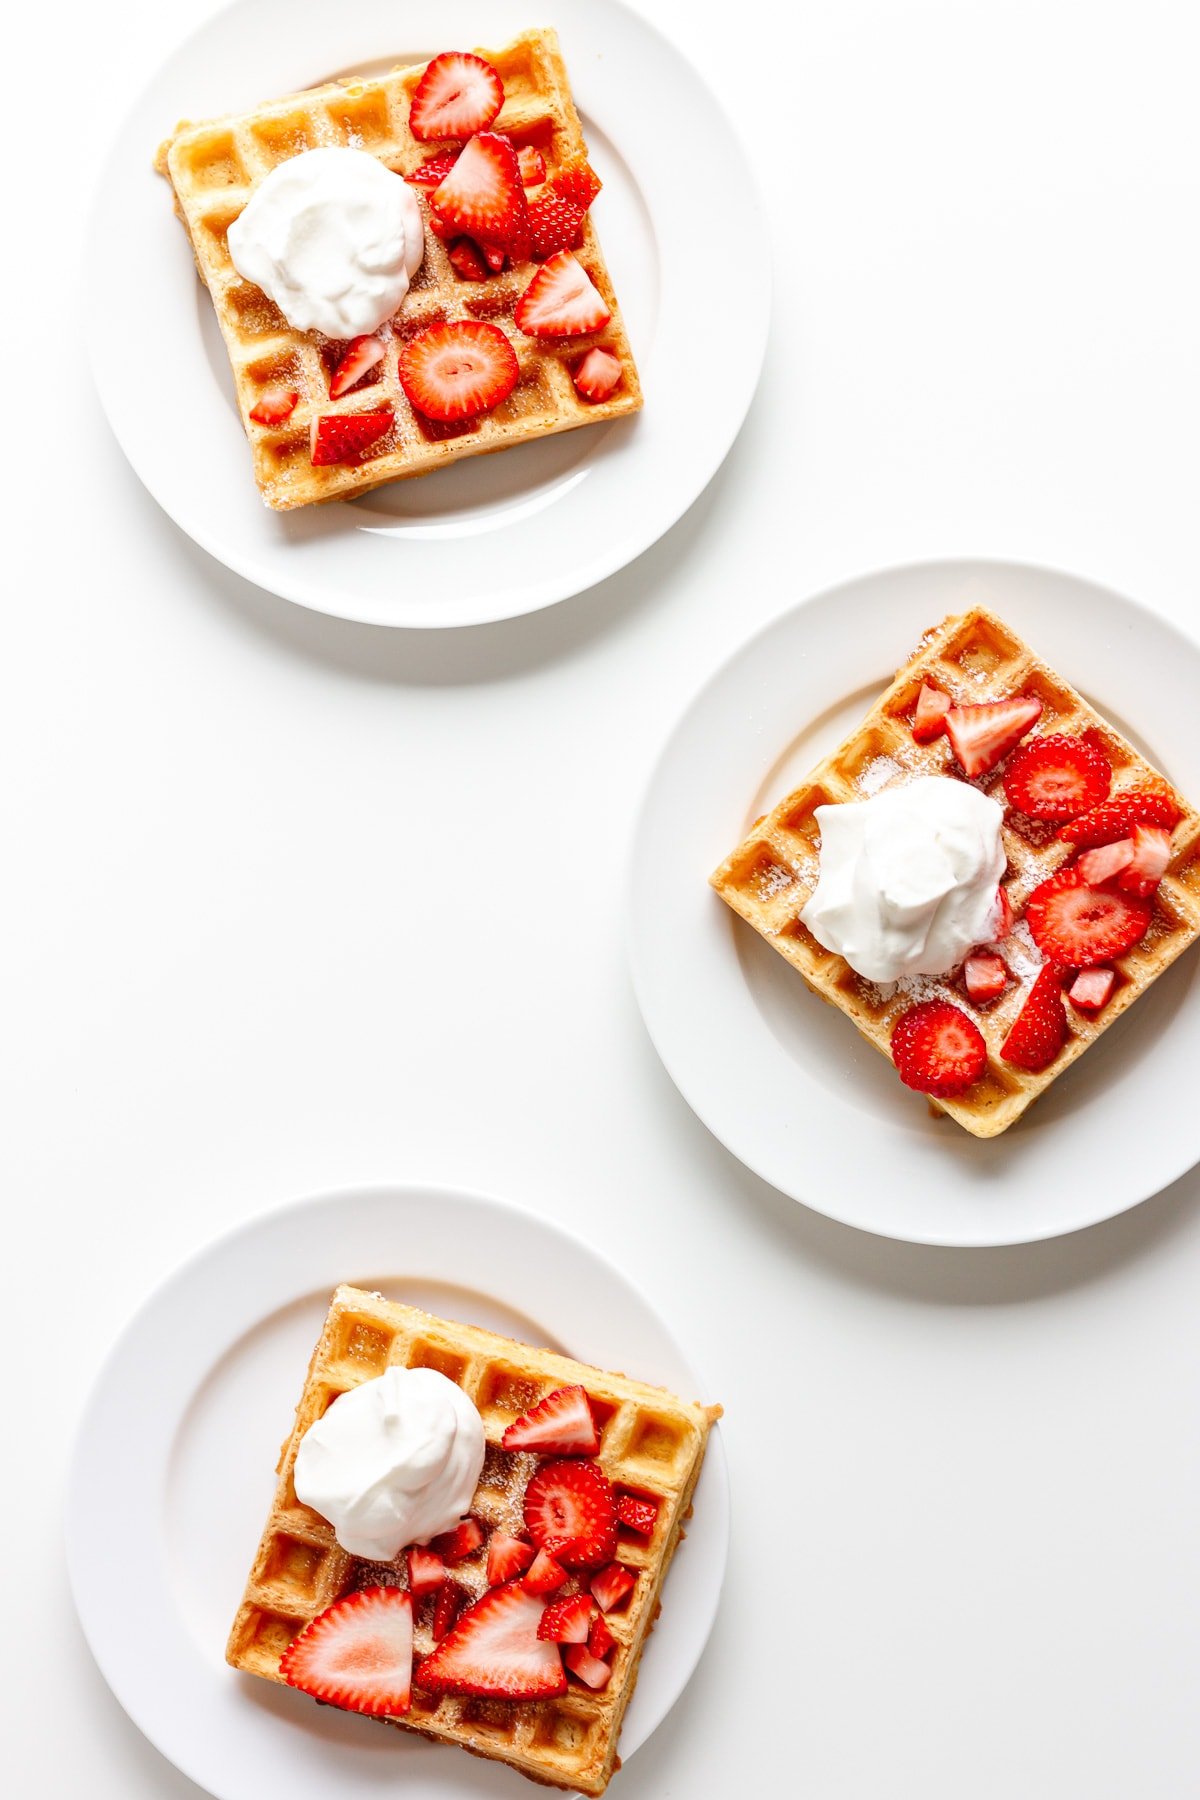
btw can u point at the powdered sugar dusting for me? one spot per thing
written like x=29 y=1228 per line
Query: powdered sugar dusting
x=876 y=774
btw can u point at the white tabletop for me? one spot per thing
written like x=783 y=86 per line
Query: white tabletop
x=291 y=903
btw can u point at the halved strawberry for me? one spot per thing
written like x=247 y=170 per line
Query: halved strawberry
x=1058 y=777
x=342 y=437
x=980 y=736
x=426 y=1571
x=561 y=1424
x=567 y=1621
x=458 y=94
x=561 y=300
x=637 y=1512
x=1004 y=915
x=612 y=1586
x=1148 y=864
x=985 y=976
x=362 y=355
x=554 y=224
x=494 y=1649
x=598 y=375
x=357 y=1653
x=1104 y=865
x=937 y=1049
x=459 y=369
x=544 y=1575
x=1040 y=1029
x=463 y=1541
x=929 y=719
x=467 y=260
x=483 y=197
x=275 y=404
x=532 y=165
x=1116 y=817
x=1077 y=925
x=590 y=1669
x=600 y=1640
x=507 y=1557
x=570 y=1512
x=1091 y=989
x=576 y=181
x=434 y=170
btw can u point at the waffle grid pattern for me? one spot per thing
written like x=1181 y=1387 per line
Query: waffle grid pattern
x=651 y=1443
x=214 y=168
x=769 y=877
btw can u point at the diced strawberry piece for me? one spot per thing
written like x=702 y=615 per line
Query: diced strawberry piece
x=571 y=1513
x=446 y=1609
x=483 y=197
x=1091 y=989
x=929 y=719
x=567 y=1621
x=507 y=1557
x=1041 y=1028
x=590 y=1669
x=600 y=1640
x=458 y=94
x=462 y=1542
x=985 y=977
x=275 y=404
x=981 y=736
x=1004 y=915
x=426 y=1571
x=362 y=355
x=495 y=256
x=598 y=375
x=1058 y=777
x=342 y=437
x=434 y=170
x=458 y=370
x=467 y=260
x=1105 y=863
x=937 y=1049
x=494 y=1649
x=561 y=301
x=1076 y=925
x=1116 y=817
x=554 y=224
x=1148 y=864
x=560 y=1424
x=544 y=1575
x=576 y=181
x=612 y=1585
x=532 y=165
x=357 y=1653
x=637 y=1512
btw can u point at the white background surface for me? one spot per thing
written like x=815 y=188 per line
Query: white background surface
x=290 y=903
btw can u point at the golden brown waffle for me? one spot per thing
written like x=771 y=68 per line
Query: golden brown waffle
x=650 y=1442
x=769 y=877
x=214 y=168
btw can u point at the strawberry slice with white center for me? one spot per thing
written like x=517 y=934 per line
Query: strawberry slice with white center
x=937 y=1049
x=1091 y=989
x=560 y=1424
x=482 y=196
x=426 y=1571
x=598 y=375
x=571 y=1513
x=494 y=1649
x=458 y=94
x=458 y=370
x=985 y=976
x=362 y=355
x=275 y=404
x=1041 y=1027
x=981 y=736
x=568 y=1621
x=1058 y=776
x=589 y=1669
x=1151 y=852
x=562 y=300
x=343 y=437
x=612 y=1586
x=507 y=1557
x=544 y=1575
x=1077 y=926
x=357 y=1654
x=929 y=719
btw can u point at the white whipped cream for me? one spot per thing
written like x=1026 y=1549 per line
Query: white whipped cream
x=333 y=238
x=393 y=1462
x=909 y=879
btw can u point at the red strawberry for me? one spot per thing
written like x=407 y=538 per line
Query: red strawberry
x=1004 y=922
x=570 y=1512
x=1091 y=988
x=494 y=1649
x=434 y=170
x=357 y=1653
x=461 y=1542
x=1148 y=864
x=544 y=1575
x=637 y=1512
x=426 y=1571
x=1077 y=926
x=275 y=404
x=467 y=260
x=532 y=165
x=937 y=1049
x=590 y=1670
x=507 y=1557
x=567 y=1621
x=1058 y=777
x=483 y=197
x=494 y=256
x=561 y=1424
x=600 y=1640
x=576 y=181
x=342 y=437
x=446 y=1609
x=457 y=95
x=980 y=736
x=612 y=1586
x=929 y=720
x=1116 y=817
x=554 y=224
x=598 y=375
x=985 y=976
x=561 y=301
x=362 y=355
x=1104 y=865
x=1041 y=1029
x=456 y=370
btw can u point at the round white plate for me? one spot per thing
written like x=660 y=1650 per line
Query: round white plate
x=786 y=1082
x=173 y=1473
x=497 y=535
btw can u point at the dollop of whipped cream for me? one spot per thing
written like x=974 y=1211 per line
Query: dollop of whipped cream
x=392 y=1462
x=333 y=238
x=909 y=879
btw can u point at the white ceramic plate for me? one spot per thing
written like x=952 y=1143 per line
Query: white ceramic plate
x=497 y=535
x=173 y=1473
x=785 y=1082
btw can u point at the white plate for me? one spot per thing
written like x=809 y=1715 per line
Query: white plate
x=497 y=535
x=173 y=1473
x=785 y=1082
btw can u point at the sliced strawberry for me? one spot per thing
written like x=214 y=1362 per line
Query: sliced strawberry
x=570 y=1512
x=600 y=1640
x=446 y=1609
x=1004 y=917
x=561 y=301
x=637 y=1512
x=567 y=1621
x=463 y=1541
x=357 y=1653
x=342 y=437
x=598 y=375
x=929 y=720
x=561 y=1424
x=458 y=94
x=483 y=197
x=1058 y=777
x=434 y=170
x=544 y=1575
x=590 y=1670
x=507 y=1557
x=467 y=260
x=494 y=1649
x=362 y=355
x=495 y=256
x=1116 y=817
x=1104 y=865
x=1041 y=1028
x=1148 y=864
x=937 y=1049
x=554 y=224
x=1091 y=989
x=532 y=165
x=980 y=736
x=985 y=976
x=576 y=181
x=459 y=369
x=275 y=404
x=426 y=1571
x=1077 y=926
x=612 y=1586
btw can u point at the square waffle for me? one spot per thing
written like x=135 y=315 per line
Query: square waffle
x=770 y=876
x=214 y=168
x=651 y=1442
